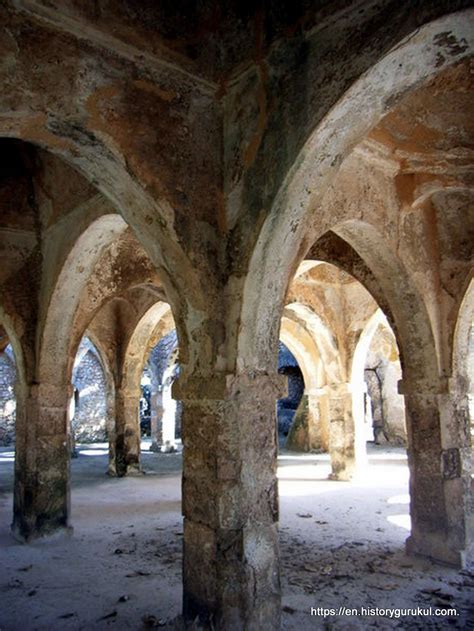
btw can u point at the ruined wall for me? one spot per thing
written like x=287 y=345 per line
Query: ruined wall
x=7 y=397
x=89 y=421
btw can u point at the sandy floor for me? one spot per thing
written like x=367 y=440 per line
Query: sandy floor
x=342 y=545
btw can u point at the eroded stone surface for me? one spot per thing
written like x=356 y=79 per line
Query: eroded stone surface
x=159 y=172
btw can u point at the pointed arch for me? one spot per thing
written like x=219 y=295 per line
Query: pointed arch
x=15 y=341
x=317 y=338
x=290 y=229
x=54 y=344
x=363 y=345
x=147 y=333
x=302 y=346
x=412 y=326
x=462 y=331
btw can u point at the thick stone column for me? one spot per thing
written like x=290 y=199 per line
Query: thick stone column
x=168 y=419
x=42 y=480
x=346 y=442
x=439 y=457
x=308 y=431
x=127 y=433
x=318 y=406
x=230 y=500
x=110 y=424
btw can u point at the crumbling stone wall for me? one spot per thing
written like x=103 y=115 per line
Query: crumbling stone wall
x=7 y=397
x=90 y=415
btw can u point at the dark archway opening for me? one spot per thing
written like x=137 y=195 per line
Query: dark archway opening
x=288 y=406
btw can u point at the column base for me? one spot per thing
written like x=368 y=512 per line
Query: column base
x=155 y=447
x=129 y=471
x=434 y=547
x=168 y=448
x=343 y=471
x=133 y=471
x=40 y=537
x=343 y=476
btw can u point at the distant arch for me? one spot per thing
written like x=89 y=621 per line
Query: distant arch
x=303 y=347
x=322 y=339
x=363 y=345
x=142 y=340
x=412 y=325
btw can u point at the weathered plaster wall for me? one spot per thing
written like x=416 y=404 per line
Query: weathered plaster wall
x=273 y=107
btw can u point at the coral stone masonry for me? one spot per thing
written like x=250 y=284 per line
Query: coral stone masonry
x=235 y=230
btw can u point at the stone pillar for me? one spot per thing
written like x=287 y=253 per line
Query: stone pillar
x=127 y=433
x=111 y=433
x=41 y=503
x=230 y=500
x=346 y=442
x=440 y=472
x=307 y=432
x=168 y=419
x=71 y=411
x=156 y=417
x=358 y=391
